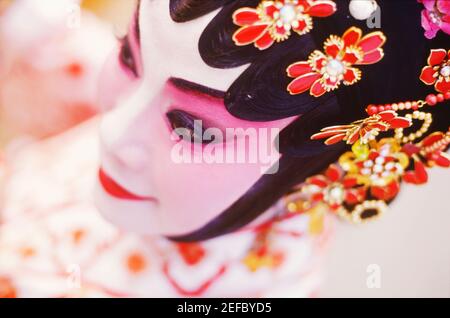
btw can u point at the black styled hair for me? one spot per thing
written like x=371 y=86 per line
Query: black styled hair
x=260 y=94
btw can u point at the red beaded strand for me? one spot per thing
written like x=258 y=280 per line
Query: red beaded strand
x=431 y=100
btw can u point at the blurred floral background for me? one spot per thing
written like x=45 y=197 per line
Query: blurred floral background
x=49 y=66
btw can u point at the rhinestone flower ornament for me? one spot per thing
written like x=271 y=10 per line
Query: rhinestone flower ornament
x=324 y=72
x=437 y=72
x=334 y=188
x=383 y=163
x=275 y=21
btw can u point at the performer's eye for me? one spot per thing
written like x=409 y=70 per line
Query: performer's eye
x=187 y=127
x=126 y=57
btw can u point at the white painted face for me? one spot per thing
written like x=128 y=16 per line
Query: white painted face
x=141 y=188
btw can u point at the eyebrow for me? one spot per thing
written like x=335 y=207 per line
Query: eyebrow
x=195 y=88
x=137 y=29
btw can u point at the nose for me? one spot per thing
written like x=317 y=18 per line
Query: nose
x=125 y=130
x=114 y=82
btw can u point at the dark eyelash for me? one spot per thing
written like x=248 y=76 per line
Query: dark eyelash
x=181 y=119
x=126 y=56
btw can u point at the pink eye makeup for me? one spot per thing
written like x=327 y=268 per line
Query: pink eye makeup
x=184 y=124
x=195 y=110
x=207 y=104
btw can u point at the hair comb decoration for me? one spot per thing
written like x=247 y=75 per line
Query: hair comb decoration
x=437 y=72
x=324 y=72
x=274 y=21
x=364 y=129
x=366 y=178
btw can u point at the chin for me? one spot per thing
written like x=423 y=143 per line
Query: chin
x=140 y=217
x=137 y=217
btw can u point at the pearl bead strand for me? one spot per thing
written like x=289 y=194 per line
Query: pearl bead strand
x=426 y=117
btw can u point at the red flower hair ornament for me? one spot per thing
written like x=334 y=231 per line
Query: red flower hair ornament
x=324 y=72
x=275 y=21
x=437 y=72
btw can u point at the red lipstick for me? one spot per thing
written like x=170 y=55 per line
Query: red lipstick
x=116 y=190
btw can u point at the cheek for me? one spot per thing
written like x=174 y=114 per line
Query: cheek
x=200 y=193
x=115 y=82
x=196 y=193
